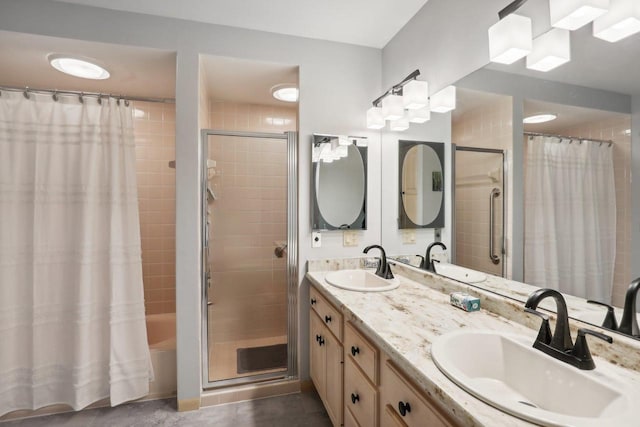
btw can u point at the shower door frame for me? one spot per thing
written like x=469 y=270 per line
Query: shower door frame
x=505 y=199
x=291 y=139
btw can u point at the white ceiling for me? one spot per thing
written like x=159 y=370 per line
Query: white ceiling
x=238 y=80
x=362 y=22
x=134 y=71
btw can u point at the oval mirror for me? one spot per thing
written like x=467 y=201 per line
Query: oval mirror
x=422 y=185
x=340 y=190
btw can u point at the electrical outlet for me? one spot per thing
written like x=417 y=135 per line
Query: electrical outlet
x=349 y=238
x=316 y=239
x=409 y=237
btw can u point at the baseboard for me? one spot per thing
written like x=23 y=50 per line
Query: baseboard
x=185 y=405
x=307 y=385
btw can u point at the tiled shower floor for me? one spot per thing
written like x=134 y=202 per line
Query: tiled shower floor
x=304 y=409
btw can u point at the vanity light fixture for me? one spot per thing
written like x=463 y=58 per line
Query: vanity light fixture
x=621 y=21
x=540 y=118
x=573 y=14
x=375 y=119
x=392 y=107
x=510 y=39
x=421 y=115
x=550 y=50
x=361 y=142
x=285 y=92
x=78 y=66
x=443 y=101
x=415 y=95
x=400 y=124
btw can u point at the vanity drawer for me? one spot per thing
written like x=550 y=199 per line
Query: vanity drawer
x=399 y=396
x=329 y=315
x=360 y=397
x=361 y=351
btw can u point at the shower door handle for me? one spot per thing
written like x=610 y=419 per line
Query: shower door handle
x=495 y=193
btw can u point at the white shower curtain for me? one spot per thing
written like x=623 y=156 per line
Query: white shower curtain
x=570 y=217
x=72 y=327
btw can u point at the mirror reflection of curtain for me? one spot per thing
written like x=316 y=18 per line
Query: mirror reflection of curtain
x=570 y=217
x=72 y=325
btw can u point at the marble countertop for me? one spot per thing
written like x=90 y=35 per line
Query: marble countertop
x=404 y=322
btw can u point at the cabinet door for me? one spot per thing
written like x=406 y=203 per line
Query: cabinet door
x=317 y=359
x=390 y=418
x=334 y=377
x=349 y=419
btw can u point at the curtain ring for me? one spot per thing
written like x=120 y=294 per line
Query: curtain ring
x=26 y=92
x=118 y=102
x=80 y=98
x=100 y=98
x=55 y=96
x=126 y=102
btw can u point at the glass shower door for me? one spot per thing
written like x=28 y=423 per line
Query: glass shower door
x=479 y=209
x=245 y=267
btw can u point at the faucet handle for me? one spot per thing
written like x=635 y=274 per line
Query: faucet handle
x=544 y=335
x=581 y=349
x=609 y=321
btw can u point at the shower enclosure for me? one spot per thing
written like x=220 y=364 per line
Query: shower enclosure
x=480 y=209
x=249 y=213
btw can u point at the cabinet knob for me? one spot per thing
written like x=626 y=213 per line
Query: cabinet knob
x=403 y=408
x=318 y=338
x=327 y=319
x=313 y=301
x=354 y=398
x=321 y=341
x=355 y=350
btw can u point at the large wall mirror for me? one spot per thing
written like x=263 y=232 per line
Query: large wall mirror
x=339 y=184
x=553 y=238
x=421 y=182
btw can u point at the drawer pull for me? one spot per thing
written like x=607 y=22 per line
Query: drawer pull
x=321 y=341
x=318 y=338
x=403 y=408
x=327 y=319
x=354 y=398
x=355 y=350
x=313 y=301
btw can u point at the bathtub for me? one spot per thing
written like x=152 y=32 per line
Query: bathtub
x=161 y=335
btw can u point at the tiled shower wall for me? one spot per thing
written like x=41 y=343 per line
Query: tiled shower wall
x=248 y=291
x=154 y=125
x=615 y=130
x=487 y=126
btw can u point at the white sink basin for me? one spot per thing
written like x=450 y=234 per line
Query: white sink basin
x=506 y=372
x=360 y=280
x=458 y=273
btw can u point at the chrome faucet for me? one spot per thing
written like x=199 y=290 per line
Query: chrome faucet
x=559 y=344
x=427 y=263
x=383 y=270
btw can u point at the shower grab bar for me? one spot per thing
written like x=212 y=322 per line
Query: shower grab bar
x=495 y=193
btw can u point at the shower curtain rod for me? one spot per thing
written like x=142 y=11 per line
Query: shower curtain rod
x=601 y=141
x=27 y=90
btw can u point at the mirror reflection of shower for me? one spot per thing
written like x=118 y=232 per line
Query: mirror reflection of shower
x=211 y=173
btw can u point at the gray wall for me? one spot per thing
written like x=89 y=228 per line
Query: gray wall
x=337 y=83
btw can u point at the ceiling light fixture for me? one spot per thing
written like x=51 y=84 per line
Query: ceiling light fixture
x=621 y=21
x=573 y=14
x=285 y=92
x=76 y=66
x=550 y=50
x=540 y=118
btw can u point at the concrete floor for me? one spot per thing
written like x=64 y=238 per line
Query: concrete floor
x=293 y=410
